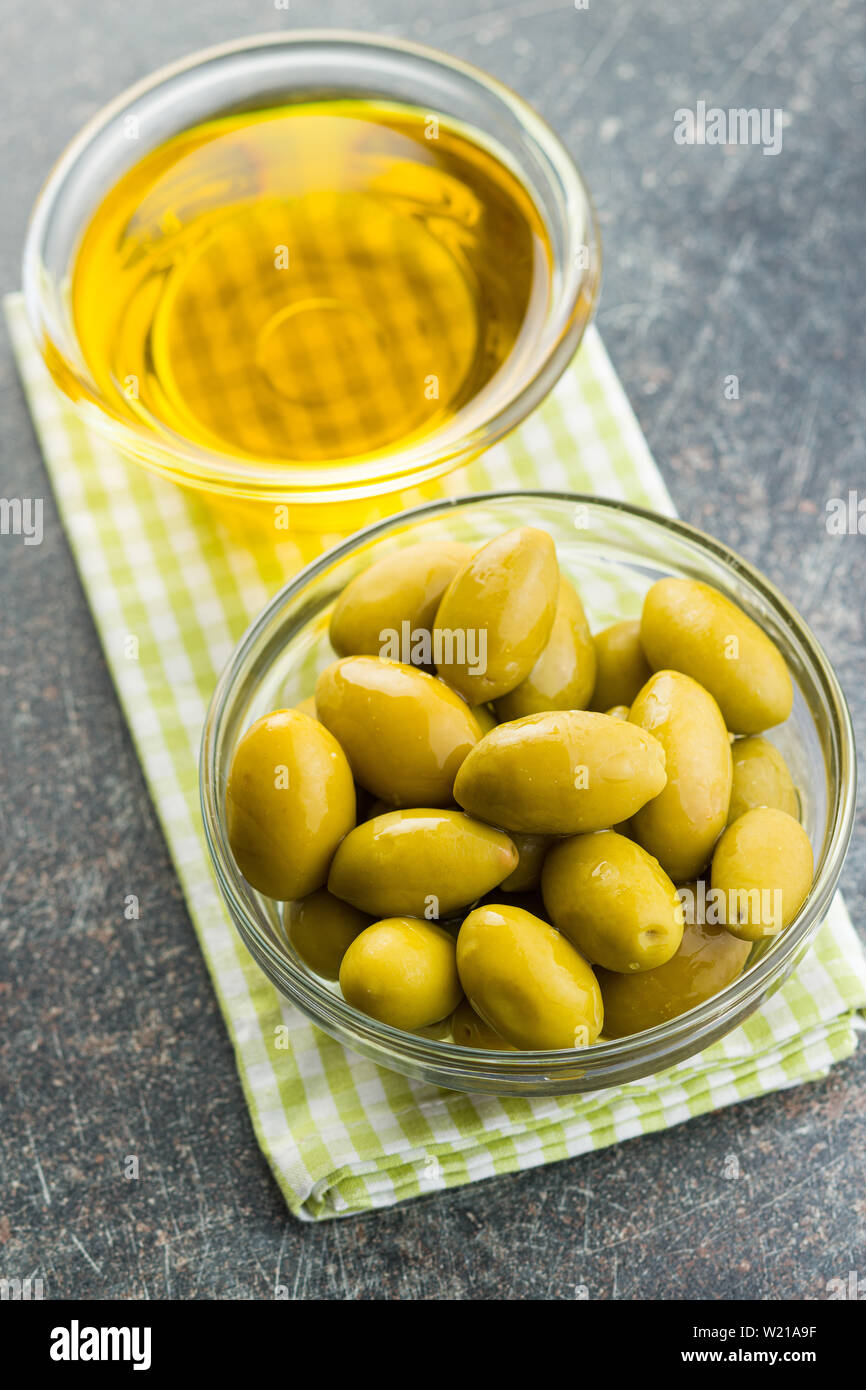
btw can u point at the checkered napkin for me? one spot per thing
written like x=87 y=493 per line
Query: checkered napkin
x=341 y=1134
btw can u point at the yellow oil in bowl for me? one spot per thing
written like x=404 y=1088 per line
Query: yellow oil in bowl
x=309 y=283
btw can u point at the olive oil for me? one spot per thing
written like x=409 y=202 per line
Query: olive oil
x=309 y=283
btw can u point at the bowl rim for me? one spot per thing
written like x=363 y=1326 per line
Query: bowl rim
x=301 y=481
x=664 y=1041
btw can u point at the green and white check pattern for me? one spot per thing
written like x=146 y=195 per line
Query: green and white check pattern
x=341 y=1134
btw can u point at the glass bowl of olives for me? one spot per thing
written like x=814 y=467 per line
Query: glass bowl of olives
x=528 y=793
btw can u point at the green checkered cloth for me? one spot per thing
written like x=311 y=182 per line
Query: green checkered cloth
x=341 y=1134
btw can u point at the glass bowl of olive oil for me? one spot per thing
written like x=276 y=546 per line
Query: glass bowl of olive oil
x=311 y=267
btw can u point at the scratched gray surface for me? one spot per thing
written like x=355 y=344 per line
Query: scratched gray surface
x=719 y=263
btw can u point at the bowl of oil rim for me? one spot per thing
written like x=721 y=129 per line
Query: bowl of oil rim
x=311 y=268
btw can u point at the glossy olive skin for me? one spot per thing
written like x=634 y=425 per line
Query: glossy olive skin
x=563 y=677
x=403 y=972
x=322 y=928
x=290 y=799
x=507 y=592
x=621 y=667
x=681 y=825
x=527 y=875
x=405 y=586
x=469 y=1030
x=526 y=981
x=761 y=778
x=612 y=901
x=618 y=711
x=763 y=865
x=308 y=706
x=561 y=773
x=708 y=960
x=423 y=863
x=690 y=627
x=404 y=732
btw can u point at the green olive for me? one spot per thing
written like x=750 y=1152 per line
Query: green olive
x=290 y=799
x=564 y=675
x=526 y=981
x=621 y=667
x=708 y=959
x=322 y=928
x=618 y=711
x=403 y=587
x=690 y=627
x=497 y=613
x=469 y=1030
x=404 y=732
x=561 y=773
x=681 y=825
x=527 y=875
x=424 y=863
x=613 y=901
x=763 y=867
x=403 y=972
x=308 y=706
x=761 y=778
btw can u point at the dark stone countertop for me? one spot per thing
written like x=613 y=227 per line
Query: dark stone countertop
x=718 y=263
